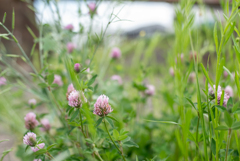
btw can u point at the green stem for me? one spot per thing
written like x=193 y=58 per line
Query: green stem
x=112 y=140
x=80 y=114
x=197 y=135
x=199 y=100
x=98 y=156
x=55 y=101
x=228 y=143
x=48 y=154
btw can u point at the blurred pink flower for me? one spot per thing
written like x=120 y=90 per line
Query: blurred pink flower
x=74 y=99
x=102 y=107
x=70 y=88
x=46 y=125
x=2 y=81
x=225 y=98
x=88 y=70
x=192 y=77
x=37 y=160
x=69 y=27
x=87 y=61
x=92 y=8
x=171 y=71
x=150 y=90
x=77 y=67
x=70 y=47
x=117 y=78
x=181 y=57
x=116 y=53
x=35 y=149
x=225 y=74
x=30 y=139
x=211 y=90
x=229 y=91
x=58 y=80
x=32 y=102
x=30 y=121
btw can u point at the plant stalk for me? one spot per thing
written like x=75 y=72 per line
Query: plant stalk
x=113 y=141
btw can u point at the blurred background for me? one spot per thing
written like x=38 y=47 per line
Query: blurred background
x=142 y=27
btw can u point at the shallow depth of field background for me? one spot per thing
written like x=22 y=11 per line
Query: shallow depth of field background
x=145 y=35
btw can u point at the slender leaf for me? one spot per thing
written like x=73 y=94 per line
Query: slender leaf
x=74 y=115
x=4 y=17
x=206 y=74
x=99 y=121
x=221 y=128
x=4 y=140
x=227 y=118
x=91 y=81
x=164 y=122
x=13 y=19
x=236 y=125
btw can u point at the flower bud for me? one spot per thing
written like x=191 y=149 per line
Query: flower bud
x=92 y=8
x=77 y=67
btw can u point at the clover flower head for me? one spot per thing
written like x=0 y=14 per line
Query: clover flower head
x=74 y=99
x=69 y=27
x=30 y=139
x=30 y=121
x=116 y=53
x=229 y=91
x=32 y=102
x=117 y=78
x=102 y=107
x=70 y=47
x=150 y=90
x=46 y=125
x=3 y=81
x=37 y=160
x=58 y=80
x=211 y=90
x=41 y=146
